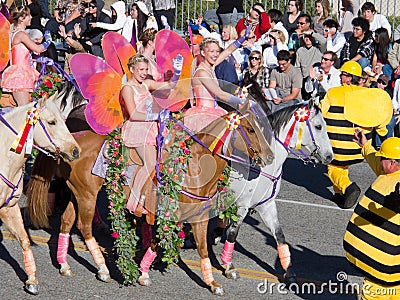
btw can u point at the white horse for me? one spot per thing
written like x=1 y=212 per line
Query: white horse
x=50 y=135
x=259 y=193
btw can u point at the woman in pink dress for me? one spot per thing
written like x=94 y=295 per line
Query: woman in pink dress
x=19 y=78
x=141 y=128
x=205 y=85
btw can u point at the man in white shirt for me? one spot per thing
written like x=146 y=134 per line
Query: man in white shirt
x=323 y=77
x=334 y=39
x=375 y=20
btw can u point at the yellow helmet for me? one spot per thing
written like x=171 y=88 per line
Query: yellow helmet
x=390 y=148
x=352 y=67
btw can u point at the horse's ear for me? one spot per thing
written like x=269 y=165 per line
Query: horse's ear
x=311 y=103
x=53 y=97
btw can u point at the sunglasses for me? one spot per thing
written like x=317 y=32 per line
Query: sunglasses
x=326 y=30
x=89 y=5
x=325 y=59
x=254 y=57
x=381 y=82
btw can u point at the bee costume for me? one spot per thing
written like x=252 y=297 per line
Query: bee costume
x=346 y=108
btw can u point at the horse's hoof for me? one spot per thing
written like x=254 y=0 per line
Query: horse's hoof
x=103 y=277
x=218 y=291
x=32 y=288
x=232 y=274
x=290 y=277
x=67 y=272
x=144 y=281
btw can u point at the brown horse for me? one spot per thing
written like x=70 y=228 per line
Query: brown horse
x=85 y=186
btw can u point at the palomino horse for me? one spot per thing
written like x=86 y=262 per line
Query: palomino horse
x=259 y=193
x=85 y=186
x=51 y=135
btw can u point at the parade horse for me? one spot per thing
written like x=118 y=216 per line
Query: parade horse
x=300 y=126
x=43 y=122
x=85 y=187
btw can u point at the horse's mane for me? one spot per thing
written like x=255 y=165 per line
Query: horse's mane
x=280 y=118
x=67 y=93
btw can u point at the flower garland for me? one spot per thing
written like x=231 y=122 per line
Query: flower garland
x=169 y=230
x=226 y=207
x=49 y=86
x=124 y=232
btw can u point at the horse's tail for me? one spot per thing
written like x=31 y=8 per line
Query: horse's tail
x=38 y=187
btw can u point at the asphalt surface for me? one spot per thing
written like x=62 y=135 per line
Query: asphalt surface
x=313 y=226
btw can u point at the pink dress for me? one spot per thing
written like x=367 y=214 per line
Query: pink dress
x=140 y=133
x=20 y=76
x=206 y=109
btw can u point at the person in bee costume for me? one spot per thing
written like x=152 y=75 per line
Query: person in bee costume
x=346 y=108
x=372 y=239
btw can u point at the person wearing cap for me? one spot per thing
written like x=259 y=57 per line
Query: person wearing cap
x=346 y=108
x=371 y=242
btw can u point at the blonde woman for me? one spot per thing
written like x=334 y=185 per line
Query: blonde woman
x=140 y=130
x=322 y=7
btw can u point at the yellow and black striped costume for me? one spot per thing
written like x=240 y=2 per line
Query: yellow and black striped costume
x=372 y=238
x=341 y=132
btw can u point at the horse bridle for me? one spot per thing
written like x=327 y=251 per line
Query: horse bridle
x=14 y=187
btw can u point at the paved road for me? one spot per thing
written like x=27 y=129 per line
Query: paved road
x=313 y=226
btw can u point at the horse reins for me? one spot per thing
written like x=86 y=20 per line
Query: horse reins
x=55 y=156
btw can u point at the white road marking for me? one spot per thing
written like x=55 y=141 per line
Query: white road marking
x=312 y=204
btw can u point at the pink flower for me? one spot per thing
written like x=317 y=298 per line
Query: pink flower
x=181 y=234
x=111 y=204
x=175 y=178
x=168 y=214
x=123 y=173
x=175 y=160
x=179 y=224
x=186 y=151
x=170 y=170
x=115 y=235
x=165 y=228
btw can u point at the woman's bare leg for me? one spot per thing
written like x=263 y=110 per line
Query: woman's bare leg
x=148 y=155
x=21 y=98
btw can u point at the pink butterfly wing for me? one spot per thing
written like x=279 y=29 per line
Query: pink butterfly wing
x=117 y=51
x=168 y=45
x=4 y=41
x=101 y=85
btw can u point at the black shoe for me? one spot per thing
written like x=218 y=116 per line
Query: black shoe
x=351 y=195
x=338 y=199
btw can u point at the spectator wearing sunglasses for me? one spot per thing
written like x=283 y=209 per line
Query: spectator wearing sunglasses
x=256 y=75
x=303 y=27
x=91 y=37
x=323 y=77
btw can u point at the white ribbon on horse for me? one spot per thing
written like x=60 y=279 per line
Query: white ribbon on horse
x=25 y=135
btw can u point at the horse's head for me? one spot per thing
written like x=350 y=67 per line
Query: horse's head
x=252 y=137
x=53 y=134
x=316 y=139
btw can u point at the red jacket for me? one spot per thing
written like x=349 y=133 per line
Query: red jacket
x=260 y=28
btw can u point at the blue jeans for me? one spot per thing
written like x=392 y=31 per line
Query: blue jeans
x=390 y=127
x=387 y=70
x=364 y=62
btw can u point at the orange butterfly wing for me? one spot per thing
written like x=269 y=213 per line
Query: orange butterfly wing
x=4 y=41
x=101 y=85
